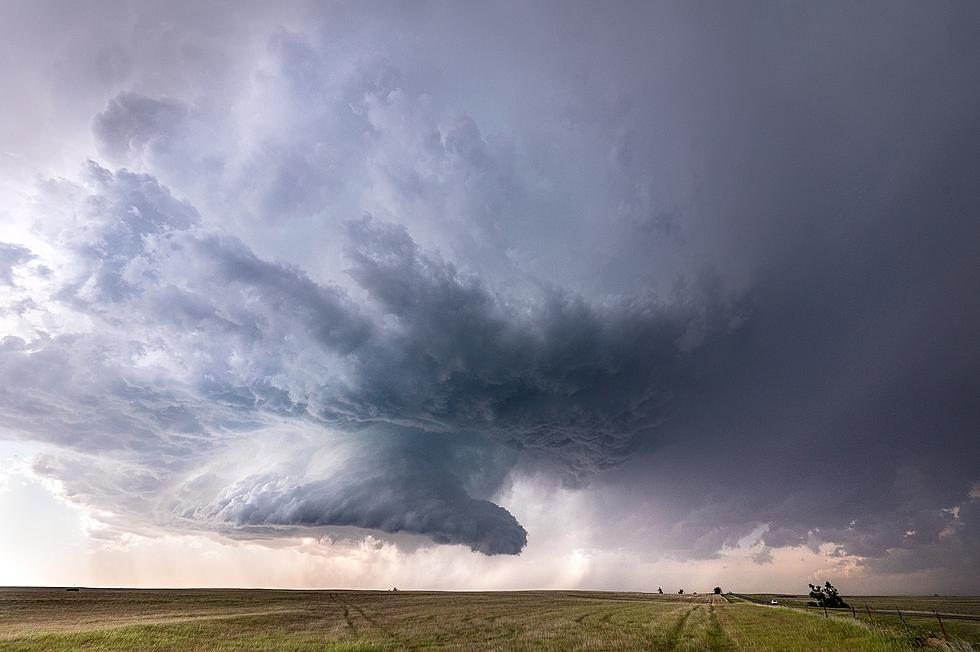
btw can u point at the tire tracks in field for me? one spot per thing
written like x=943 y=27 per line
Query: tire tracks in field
x=347 y=619
x=405 y=643
x=604 y=619
x=477 y=631
x=713 y=638
x=721 y=639
x=675 y=633
x=150 y=620
x=350 y=623
x=581 y=618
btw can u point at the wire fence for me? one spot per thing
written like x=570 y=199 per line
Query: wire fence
x=870 y=611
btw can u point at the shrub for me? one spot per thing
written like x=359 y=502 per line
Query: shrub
x=826 y=596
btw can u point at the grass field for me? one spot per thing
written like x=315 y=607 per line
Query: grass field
x=943 y=604
x=917 y=617
x=53 y=619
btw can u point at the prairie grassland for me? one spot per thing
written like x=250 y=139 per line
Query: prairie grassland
x=918 y=619
x=957 y=604
x=52 y=619
x=927 y=627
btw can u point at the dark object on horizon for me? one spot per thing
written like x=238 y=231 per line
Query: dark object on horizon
x=394 y=589
x=826 y=596
x=71 y=588
x=717 y=590
x=680 y=592
x=660 y=590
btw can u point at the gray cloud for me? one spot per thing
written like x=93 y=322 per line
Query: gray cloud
x=392 y=485
x=570 y=383
x=132 y=122
x=12 y=255
x=552 y=373
x=763 y=556
x=714 y=263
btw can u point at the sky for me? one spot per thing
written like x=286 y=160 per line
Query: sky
x=460 y=295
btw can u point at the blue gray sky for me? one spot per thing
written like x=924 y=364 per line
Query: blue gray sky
x=491 y=295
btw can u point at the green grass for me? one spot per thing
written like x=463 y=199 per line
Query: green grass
x=928 y=627
x=48 y=619
x=943 y=604
x=918 y=619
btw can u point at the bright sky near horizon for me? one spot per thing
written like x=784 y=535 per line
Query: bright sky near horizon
x=452 y=295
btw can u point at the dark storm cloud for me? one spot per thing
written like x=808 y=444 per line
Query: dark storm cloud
x=841 y=194
x=441 y=511
x=717 y=259
x=852 y=392
x=554 y=374
x=400 y=484
x=326 y=312
x=573 y=383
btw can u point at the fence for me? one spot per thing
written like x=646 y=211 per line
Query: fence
x=872 y=612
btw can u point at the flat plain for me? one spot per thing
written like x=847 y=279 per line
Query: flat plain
x=123 y=619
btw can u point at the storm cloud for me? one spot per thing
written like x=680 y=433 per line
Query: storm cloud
x=195 y=336
x=713 y=265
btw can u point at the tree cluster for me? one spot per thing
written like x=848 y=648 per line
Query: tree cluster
x=826 y=596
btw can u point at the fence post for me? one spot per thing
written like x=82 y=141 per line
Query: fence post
x=941 y=626
x=825 y=612
x=903 y=622
x=853 y=613
x=870 y=617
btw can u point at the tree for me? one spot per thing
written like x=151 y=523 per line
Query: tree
x=826 y=596
x=717 y=590
x=680 y=592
